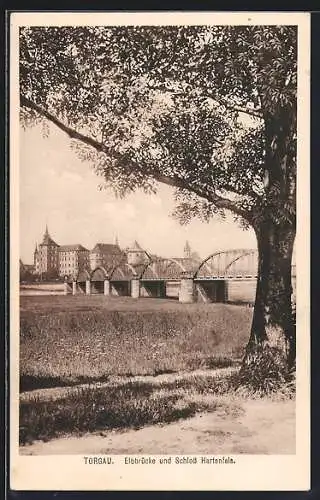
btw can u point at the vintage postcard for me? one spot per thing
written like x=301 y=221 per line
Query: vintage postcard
x=159 y=251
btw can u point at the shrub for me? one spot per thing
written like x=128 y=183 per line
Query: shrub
x=264 y=370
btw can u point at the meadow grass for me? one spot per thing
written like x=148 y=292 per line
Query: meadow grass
x=71 y=340
x=134 y=404
x=123 y=407
x=67 y=341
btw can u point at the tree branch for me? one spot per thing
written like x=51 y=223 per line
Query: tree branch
x=173 y=181
x=233 y=107
x=217 y=200
x=257 y=113
x=73 y=134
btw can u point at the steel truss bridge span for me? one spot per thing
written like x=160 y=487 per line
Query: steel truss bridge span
x=223 y=264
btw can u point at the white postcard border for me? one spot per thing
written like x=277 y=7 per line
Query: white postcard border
x=251 y=472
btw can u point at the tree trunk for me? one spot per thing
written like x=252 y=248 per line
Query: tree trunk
x=271 y=348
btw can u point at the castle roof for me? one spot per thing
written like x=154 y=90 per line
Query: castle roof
x=135 y=246
x=47 y=240
x=72 y=248
x=25 y=267
x=29 y=267
x=106 y=248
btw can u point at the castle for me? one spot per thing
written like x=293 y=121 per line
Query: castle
x=60 y=261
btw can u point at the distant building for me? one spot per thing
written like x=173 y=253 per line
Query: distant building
x=187 y=250
x=189 y=254
x=36 y=260
x=46 y=257
x=72 y=259
x=52 y=260
x=29 y=268
x=136 y=255
x=105 y=255
x=27 y=271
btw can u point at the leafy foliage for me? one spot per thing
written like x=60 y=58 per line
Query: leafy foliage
x=191 y=106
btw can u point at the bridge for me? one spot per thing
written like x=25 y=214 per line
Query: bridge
x=222 y=276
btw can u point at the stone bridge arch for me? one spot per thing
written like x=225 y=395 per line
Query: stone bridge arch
x=98 y=277
x=120 y=277
x=82 y=282
x=99 y=274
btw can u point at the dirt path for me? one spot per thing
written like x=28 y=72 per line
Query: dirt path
x=254 y=427
x=57 y=392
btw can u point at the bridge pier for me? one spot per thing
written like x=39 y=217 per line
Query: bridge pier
x=88 y=287
x=74 y=288
x=135 y=288
x=187 y=289
x=106 y=287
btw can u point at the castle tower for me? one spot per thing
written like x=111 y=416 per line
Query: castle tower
x=35 y=253
x=187 y=250
x=36 y=259
x=47 y=254
x=136 y=255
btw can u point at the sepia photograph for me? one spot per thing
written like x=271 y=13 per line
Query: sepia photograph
x=159 y=187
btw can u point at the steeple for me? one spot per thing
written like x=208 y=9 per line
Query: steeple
x=117 y=241
x=36 y=256
x=187 y=250
x=47 y=240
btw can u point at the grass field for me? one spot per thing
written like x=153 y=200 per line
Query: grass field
x=135 y=404
x=131 y=404
x=70 y=340
x=241 y=426
x=140 y=362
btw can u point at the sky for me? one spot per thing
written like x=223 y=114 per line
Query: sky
x=58 y=189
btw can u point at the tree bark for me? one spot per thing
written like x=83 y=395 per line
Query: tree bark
x=271 y=349
x=273 y=326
